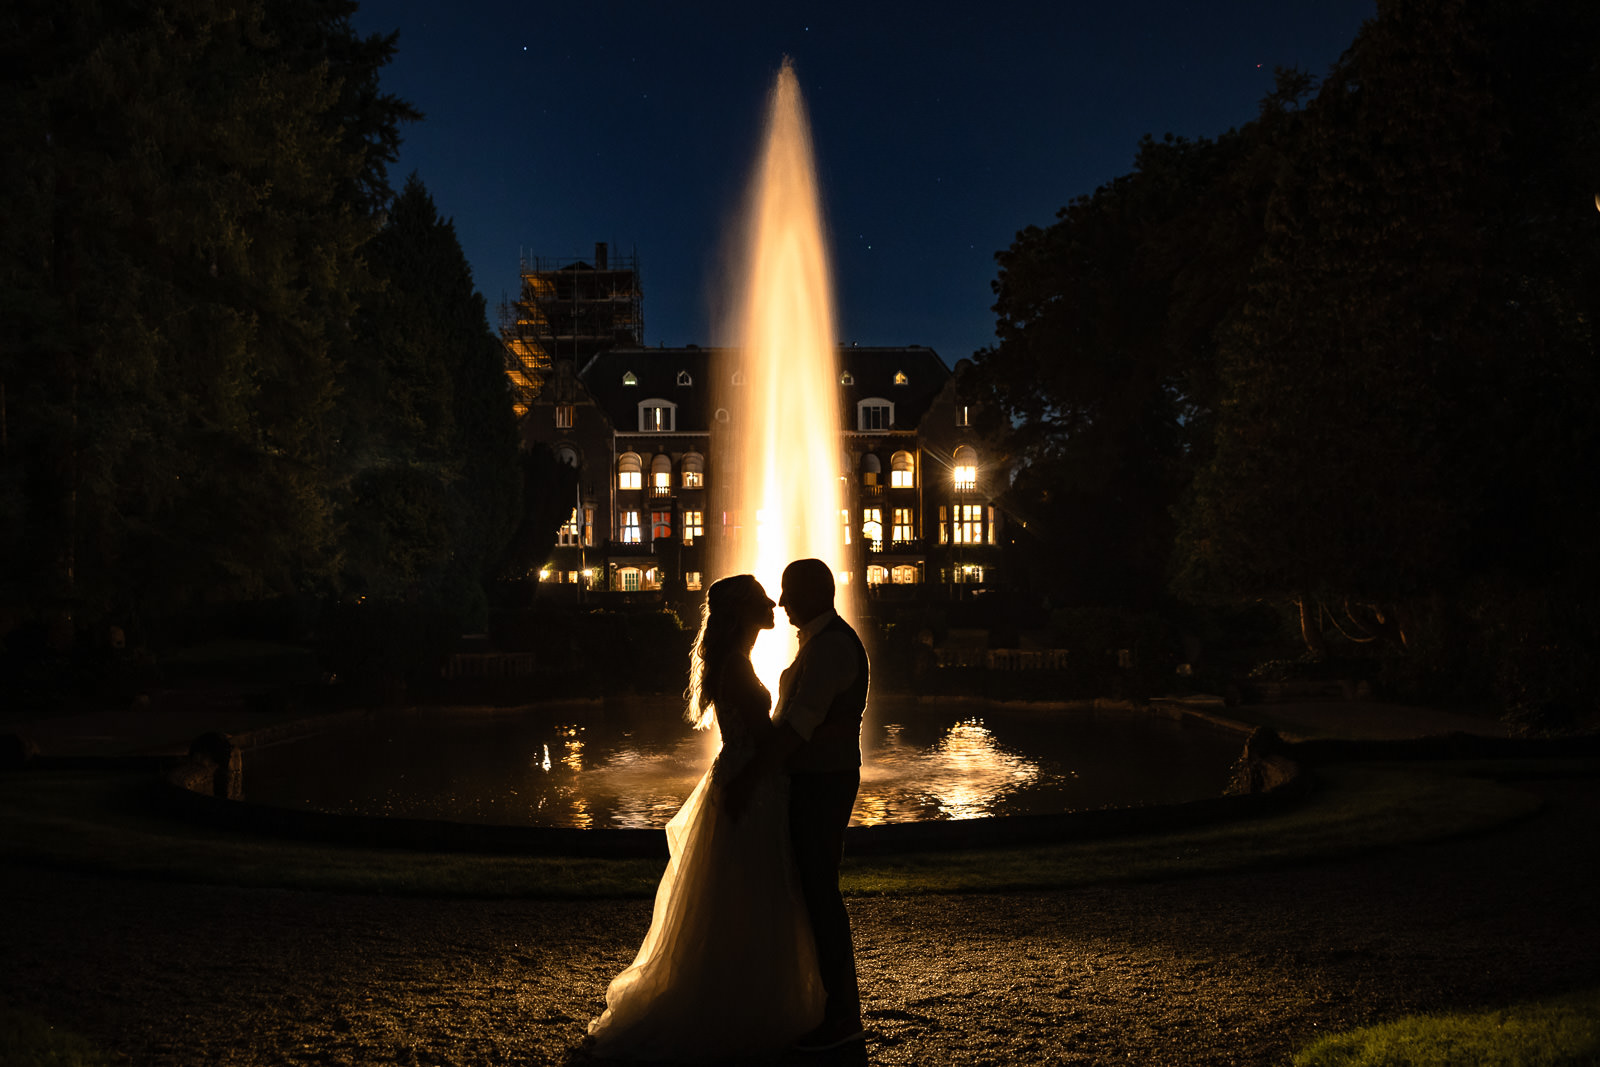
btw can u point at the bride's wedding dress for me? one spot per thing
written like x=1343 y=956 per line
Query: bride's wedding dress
x=729 y=966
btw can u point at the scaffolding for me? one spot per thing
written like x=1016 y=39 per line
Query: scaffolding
x=567 y=310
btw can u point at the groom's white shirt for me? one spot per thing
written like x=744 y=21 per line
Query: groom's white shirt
x=805 y=695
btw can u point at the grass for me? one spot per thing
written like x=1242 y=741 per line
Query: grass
x=103 y=823
x=28 y=1041
x=1558 y=1032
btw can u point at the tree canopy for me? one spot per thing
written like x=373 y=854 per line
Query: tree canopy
x=1342 y=357
x=189 y=188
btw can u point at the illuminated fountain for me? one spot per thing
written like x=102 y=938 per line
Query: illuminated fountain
x=783 y=430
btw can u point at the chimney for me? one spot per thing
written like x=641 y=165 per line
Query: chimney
x=599 y=255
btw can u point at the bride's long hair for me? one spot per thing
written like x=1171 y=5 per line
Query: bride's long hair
x=722 y=624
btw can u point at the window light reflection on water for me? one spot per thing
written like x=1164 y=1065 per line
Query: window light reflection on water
x=632 y=766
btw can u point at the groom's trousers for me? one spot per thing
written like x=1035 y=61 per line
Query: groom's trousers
x=819 y=810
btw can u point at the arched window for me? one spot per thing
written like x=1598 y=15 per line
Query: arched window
x=629 y=471
x=871 y=469
x=905 y=574
x=694 y=470
x=876 y=575
x=722 y=415
x=874 y=415
x=847 y=378
x=566 y=454
x=661 y=474
x=965 y=472
x=628 y=579
x=902 y=471
x=657 y=416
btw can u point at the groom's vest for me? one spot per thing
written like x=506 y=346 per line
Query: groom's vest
x=836 y=743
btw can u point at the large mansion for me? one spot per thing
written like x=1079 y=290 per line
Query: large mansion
x=645 y=429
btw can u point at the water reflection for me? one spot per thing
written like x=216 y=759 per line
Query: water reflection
x=965 y=774
x=632 y=766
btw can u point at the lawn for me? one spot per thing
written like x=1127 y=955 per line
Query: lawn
x=1558 y=1032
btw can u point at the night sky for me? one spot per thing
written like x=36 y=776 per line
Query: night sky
x=941 y=129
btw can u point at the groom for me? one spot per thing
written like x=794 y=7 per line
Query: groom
x=821 y=697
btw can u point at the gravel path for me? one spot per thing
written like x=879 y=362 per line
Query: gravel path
x=1220 y=970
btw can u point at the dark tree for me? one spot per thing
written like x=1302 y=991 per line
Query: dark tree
x=1104 y=373
x=186 y=190
x=429 y=435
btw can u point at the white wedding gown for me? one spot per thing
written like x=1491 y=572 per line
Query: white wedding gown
x=729 y=966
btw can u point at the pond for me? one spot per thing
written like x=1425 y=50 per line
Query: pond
x=592 y=766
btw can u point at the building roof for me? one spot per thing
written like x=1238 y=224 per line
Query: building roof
x=863 y=373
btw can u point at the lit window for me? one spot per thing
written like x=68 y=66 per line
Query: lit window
x=944 y=528
x=876 y=575
x=630 y=472
x=563 y=416
x=572 y=577
x=902 y=525
x=629 y=379
x=963 y=415
x=628 y=579
x=693 y=471
x=588 y=527
x=968 y=525
x=847 y=378
x=969 y=574
x=661 y=475
x=989 y=526
x=965 y=472
x=902 y=471
x=568 y=534
x=874 y=415
x=630 y=527
x=900 y=377
x=905 y=574
x=652 y=579
x=872 y=528
x=844 y=517
x=660 y=524
x=693 y=527
x=657 y=416
x=692 y=579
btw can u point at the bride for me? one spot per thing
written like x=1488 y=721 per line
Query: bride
x=729 y=966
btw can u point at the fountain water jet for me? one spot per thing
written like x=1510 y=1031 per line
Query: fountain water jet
x=783 y=434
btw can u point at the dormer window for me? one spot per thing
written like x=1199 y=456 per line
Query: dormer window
x=738 y=377
x=628 y=378
x=847 y=378
x=874 y=415
x=684 y=378
x=900 y=377
x=657 y=416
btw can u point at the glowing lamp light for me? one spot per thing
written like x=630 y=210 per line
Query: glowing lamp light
x=966 y=477
x=544 y=576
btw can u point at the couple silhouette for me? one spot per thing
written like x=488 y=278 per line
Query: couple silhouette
x=749 y=948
